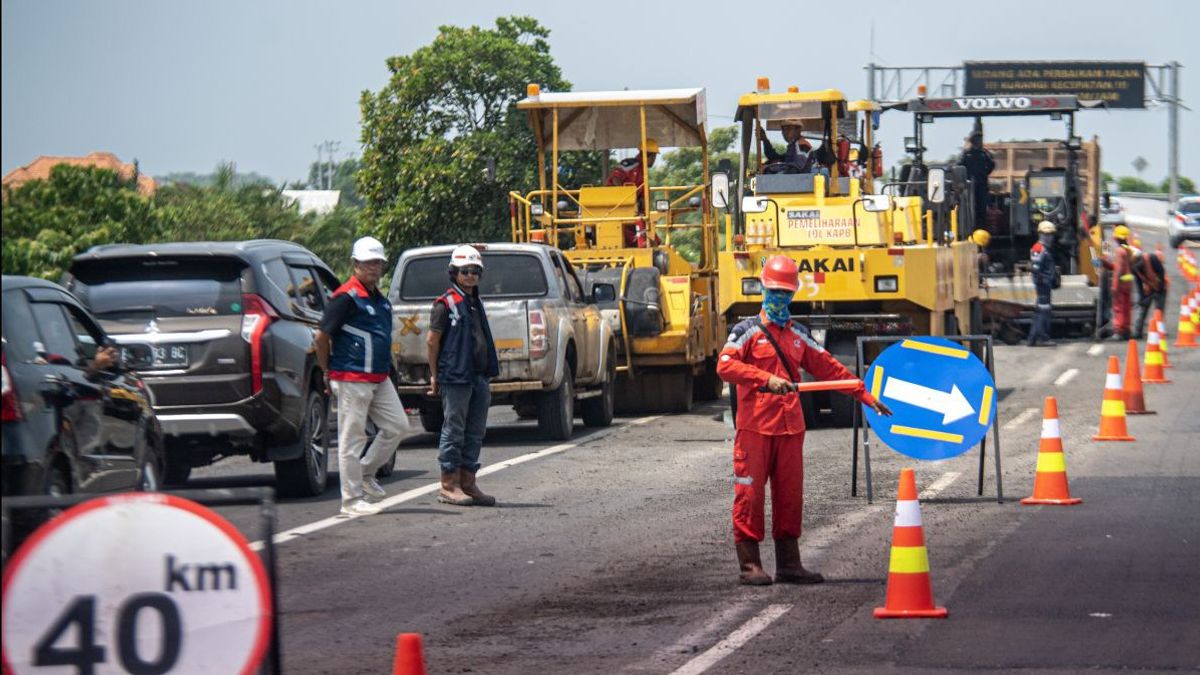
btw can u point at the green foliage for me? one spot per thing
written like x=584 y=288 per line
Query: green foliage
x=209 y=179
x=683 y=166
x=330 y=237
x=47 y=222
x=447 y=112
x=225 y=211
x=1133 y=184
x=1186 y=186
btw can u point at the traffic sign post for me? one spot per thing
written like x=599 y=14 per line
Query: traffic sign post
x=943 y=396
x=140 y=582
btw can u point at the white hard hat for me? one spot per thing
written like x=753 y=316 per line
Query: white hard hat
x=367 y=249
x=1047 y=227
x=464 y=255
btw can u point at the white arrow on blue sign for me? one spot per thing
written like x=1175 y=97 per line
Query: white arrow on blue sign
x=943 y=397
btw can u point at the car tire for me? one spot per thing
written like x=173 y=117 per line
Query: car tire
x=432 y=417
x=1176 y=241
x=598 y=410
x=306 y=475
x=556 y=410
x=177 y=464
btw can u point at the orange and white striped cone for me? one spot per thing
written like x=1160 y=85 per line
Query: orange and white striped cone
x=1194 y=306
x=1112 y=409
x=1186 y=335
x=1153 y=371
x=909 y=593
x=1050 y=481
x=1162 y=337
x=1135 y=395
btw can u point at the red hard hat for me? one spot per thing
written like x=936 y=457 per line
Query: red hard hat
x=780 y=273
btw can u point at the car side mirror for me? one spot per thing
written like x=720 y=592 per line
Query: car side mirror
x=877 y=203
x=936 y=187
x=602 y=293
x=754 y=204
x=720 y=190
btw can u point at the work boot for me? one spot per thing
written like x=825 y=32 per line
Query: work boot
x=751 y=565
x=451 y=492
x=788 y=569
x=467 y=480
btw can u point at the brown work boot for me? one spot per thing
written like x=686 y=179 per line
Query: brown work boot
x=451 y=492
x=788 y=569
x=751 y=565
x=467 y=480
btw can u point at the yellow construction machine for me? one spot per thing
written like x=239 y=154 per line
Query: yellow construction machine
x=871 y=263
x=630 y=234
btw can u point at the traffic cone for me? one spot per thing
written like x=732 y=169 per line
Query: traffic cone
x=1112 y=409
x=1135 y=398
x=1186 y=335
x=1154 y=364
x=1050 y=481
x=1162 y=337
x=410 y=657
x=909 y=594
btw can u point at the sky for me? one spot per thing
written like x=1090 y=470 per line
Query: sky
x=182 y=86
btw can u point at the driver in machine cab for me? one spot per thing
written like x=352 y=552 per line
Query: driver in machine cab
x=631 y=172
x=798 y=156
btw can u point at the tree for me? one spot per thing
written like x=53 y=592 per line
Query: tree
x=683 y=166
x=444 y=118
x=48 y=222
x=1186 y=186
x=344 y=179
x=1133 y=184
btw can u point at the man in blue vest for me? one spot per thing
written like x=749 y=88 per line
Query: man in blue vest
x=354 y=350
x=462 y=357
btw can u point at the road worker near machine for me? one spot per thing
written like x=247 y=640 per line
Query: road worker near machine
x=1041 y=256
x=982 y=239
x=762 y=360
x=1150 y=277
x=631 y=172
x=1121 y=263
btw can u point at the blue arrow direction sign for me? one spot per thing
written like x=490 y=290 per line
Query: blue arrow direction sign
x=943 y=397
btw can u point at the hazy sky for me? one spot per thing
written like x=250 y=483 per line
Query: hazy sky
x=183 y=85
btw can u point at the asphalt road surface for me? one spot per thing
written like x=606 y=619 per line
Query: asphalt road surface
x=613 y=553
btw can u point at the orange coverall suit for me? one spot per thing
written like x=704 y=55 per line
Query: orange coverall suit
x=769 y=444
x=1122 y=290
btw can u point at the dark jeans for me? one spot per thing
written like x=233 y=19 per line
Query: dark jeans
x=1040 y=330
x=1145 y=300
x=465 y=407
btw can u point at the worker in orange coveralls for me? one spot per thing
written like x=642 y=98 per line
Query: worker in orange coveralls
x=769 y=445
x=1122 y=283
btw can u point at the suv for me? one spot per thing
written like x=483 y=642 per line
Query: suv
x=67 y=426
x=1183 y=222
x=222 y=333
x=558 y=356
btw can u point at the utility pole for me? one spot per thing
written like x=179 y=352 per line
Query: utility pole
x=1173 y=135
x=333 y=148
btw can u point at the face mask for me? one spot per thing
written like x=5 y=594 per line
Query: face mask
x=1046 y=239
x=775 y=305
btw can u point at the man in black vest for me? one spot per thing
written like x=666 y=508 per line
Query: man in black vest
x=462 y=357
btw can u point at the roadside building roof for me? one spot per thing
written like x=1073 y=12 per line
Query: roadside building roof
x=39 y=169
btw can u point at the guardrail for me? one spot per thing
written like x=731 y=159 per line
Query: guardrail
x=1158 y=196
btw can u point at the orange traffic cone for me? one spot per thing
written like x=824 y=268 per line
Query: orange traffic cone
x=1050 y=481
x=1135 y=397
x=1186 y=336
x=1154 y=364
x=909 y=594
x=1161 y=326
x=410 y=657
x=1112 y=409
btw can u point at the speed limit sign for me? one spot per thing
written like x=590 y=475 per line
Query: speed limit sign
x=136 y=583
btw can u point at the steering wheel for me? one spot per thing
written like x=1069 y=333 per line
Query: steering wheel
x=779 y=166
x=1049 y=205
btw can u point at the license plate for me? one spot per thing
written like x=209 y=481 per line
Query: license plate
x=157 y=356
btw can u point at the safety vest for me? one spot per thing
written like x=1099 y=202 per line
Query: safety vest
x=456 y=363
x=361 y=350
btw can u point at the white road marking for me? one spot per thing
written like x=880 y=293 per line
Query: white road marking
x=1066 y=377
x=705 y=633
x=394 y=500
x=940 y=484
x=1095 y=350
x=1023 y=417
x=736 y=639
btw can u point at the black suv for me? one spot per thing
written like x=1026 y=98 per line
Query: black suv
x=69 y=426
x=222 y=333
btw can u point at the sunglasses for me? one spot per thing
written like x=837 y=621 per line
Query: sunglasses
x=476 y=271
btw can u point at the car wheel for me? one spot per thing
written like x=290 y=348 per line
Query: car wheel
x=432 y=417
x=177 y=464
x=556 y=410
x=598 y=410
x=1176 y=242
x=306 y=475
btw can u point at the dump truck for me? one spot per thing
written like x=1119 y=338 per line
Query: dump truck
x=1034 y=181
x=629 y=234
x=871 y=263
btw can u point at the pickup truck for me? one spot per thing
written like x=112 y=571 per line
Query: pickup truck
x=558 y=357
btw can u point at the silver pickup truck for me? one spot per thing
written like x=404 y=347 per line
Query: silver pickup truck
x=557 y=355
